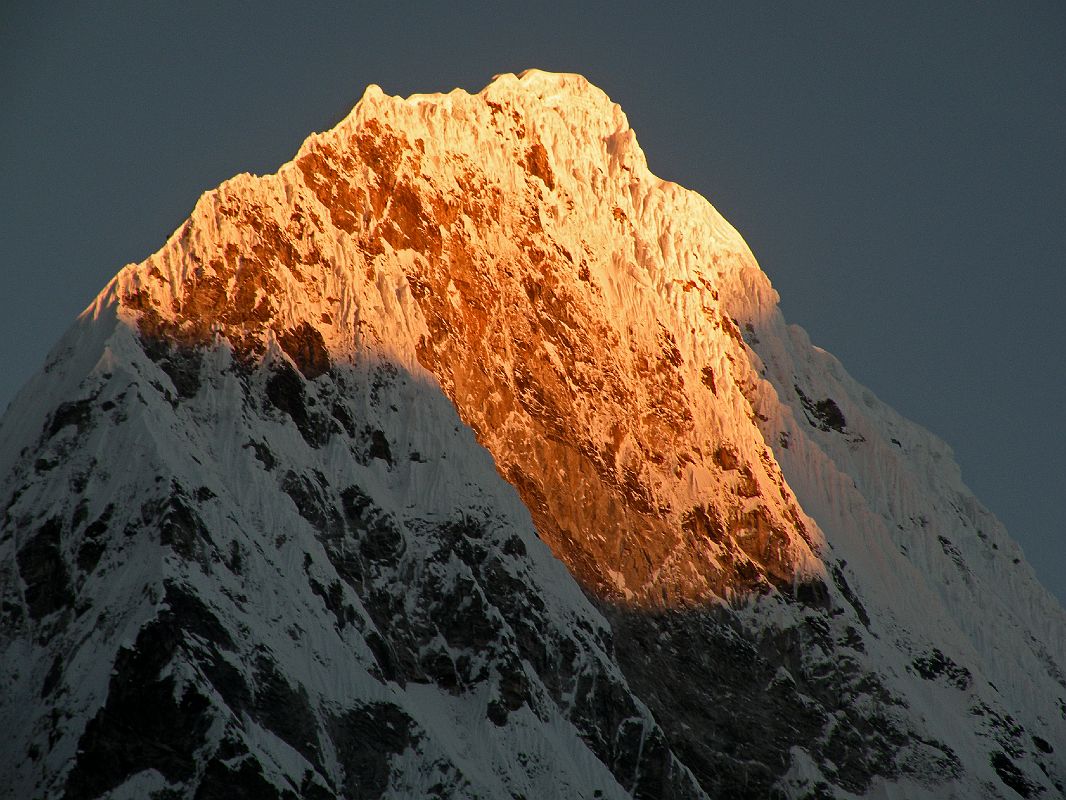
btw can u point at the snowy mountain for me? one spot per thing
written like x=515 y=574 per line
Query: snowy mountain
x=464 y=457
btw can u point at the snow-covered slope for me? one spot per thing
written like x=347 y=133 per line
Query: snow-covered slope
x=464 y=457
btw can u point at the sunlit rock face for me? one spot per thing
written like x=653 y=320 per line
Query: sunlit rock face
x=301 y=483
x=566 y=301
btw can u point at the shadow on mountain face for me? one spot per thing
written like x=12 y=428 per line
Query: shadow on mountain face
x=589 y=371
x=731 y=696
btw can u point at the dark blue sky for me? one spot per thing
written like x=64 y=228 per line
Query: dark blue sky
x=898 y=170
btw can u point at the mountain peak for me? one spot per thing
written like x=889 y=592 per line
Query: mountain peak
x=464 y=456
x=492 y=218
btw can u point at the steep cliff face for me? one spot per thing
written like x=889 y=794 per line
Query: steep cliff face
x=565 y=301
x=289 y=483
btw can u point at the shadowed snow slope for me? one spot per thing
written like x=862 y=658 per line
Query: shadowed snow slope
x=463 y=457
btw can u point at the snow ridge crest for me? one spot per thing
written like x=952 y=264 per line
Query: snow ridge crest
x=465 y=456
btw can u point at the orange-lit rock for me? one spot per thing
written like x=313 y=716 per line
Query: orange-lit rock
x=599 y=370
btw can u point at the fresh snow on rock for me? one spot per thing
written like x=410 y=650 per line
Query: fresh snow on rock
x=464 y=457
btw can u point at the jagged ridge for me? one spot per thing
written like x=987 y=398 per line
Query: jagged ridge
x=298 y=378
